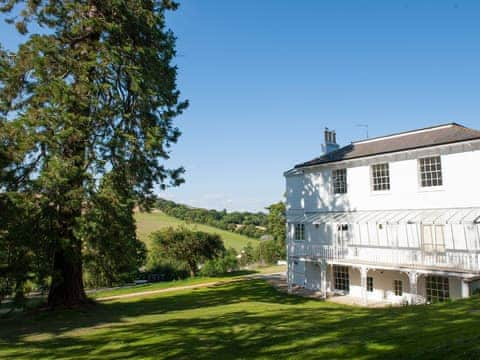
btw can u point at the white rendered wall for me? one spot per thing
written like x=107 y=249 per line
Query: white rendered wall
x=461 y=174
x=382 y=284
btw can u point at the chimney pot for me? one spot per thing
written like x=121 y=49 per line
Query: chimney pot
x=330 y=138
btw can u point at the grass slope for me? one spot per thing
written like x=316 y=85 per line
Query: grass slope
x=247 y=319
x=150 y=222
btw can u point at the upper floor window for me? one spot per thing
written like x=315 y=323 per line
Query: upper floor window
x=430 y=171
x=380 y=177
x=299 y=232
x=339 y=181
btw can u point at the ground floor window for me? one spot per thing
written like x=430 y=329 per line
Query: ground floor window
x=398 y=287
x=369 y=284
x=342 y=280
x=437 y=288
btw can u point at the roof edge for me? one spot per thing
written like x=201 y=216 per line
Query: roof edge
x=302 y=165
x=408 y=132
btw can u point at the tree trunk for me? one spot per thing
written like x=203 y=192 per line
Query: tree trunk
x=67 y=280
x=66 y=288
x=193 y=268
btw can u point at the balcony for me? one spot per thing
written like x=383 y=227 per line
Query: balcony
x=319 y=252
x=396 y=257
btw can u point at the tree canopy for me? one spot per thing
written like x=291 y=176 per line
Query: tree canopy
x=86 y=120
x=190 y=246
x=276 y=222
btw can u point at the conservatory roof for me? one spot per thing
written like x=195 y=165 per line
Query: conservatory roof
x=422 y=216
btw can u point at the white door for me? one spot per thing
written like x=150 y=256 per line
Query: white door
x=299 y=273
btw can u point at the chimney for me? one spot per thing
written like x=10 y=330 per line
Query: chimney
x=330 y=141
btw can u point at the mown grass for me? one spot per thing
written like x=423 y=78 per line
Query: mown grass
x=246 y=319
x=150 y=222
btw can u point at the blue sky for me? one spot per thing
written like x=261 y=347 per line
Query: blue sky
x=265 y=77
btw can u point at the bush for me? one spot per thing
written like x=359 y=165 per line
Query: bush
x=220 y=265
x=247 y=255
x=269 y=252
x=166 y=271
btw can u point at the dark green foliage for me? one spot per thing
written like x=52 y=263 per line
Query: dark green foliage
x=94 y=95
x=245 y=223
x=247 y=255
x=277 y=222
x=221 y=265
x=109 y=228
x=188 y=246
x=268 y=252
x=25 y=252
x=166 y=271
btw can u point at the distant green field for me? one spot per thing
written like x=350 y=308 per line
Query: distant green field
x=150 y=222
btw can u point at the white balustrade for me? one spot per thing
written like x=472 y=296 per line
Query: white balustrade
x=463 y=260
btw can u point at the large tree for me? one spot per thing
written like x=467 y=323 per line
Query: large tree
x=93 y=93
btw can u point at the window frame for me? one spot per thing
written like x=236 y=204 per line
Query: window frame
x=337 y=187
x=430 y=186
x=341 y=278
x=369 y=284
x=300 y=232
x=374 y=173
x=437 y=288
x=398 y=287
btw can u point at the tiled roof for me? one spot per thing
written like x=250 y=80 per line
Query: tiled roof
x=427 y=137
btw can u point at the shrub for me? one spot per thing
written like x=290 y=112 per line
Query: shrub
x=247 y=255
x=221 y=265
x=268 y=252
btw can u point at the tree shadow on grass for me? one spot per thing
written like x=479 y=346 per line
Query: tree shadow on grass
x=246 y=320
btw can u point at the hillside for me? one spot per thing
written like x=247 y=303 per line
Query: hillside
x=150 y=222
x=243 y=319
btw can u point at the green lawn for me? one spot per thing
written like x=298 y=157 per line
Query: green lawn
x=246 y=319
x=150 y=222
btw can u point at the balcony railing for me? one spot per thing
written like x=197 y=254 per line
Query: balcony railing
x=317 y=251
x=450 y=259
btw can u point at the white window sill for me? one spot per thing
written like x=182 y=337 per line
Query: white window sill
x=431 y=189
x=380 y=192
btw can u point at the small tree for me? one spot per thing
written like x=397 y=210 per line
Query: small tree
x=247 y=255
x=276 y=225
x=268 y=252
x=192 y=247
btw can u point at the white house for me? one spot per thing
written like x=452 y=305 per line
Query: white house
x=393 y=218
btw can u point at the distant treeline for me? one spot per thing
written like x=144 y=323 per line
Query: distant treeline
x=250 y=224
